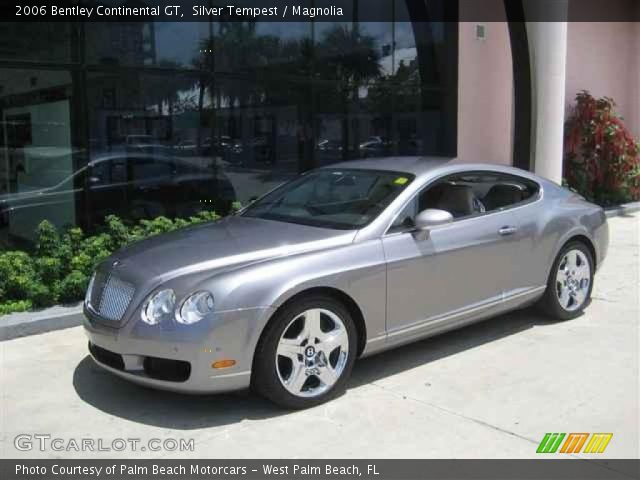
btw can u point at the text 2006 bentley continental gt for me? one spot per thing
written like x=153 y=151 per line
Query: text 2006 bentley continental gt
x=344 y=261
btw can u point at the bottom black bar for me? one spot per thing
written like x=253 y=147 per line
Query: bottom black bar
x=542 y=469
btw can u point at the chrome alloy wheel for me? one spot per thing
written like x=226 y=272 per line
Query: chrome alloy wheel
x=312 y=353
x=573 y=280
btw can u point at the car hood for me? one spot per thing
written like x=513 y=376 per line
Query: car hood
x=232 y=242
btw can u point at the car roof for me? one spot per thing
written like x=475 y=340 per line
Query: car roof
x=424 y=166
x=414 y=165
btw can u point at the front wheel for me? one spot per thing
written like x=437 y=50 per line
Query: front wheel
x=306 y=353
x=570 y=282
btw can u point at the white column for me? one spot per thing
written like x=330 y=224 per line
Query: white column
x=548 y=50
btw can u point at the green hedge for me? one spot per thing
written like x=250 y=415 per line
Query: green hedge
x=59 y=268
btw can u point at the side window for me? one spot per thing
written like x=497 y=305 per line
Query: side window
x=405 y=220
x=507 y=191
x=459 y=194
x=466 y=195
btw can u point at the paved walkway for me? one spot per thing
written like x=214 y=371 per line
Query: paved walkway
x=490 y=390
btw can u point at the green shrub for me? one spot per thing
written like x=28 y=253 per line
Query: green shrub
x=72 y=240
x=236 y=207
x=181 y=223
x=42 y=295
x=96 y=248
x=118 y=231
x=48 y=239
x=205 y=216
x=73 y=287
x=82 y=263
x=62 y=264
x=17 y=274
x=49 y=269
x=12 y=306
x=148 y=228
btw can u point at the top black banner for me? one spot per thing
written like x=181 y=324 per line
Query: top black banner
x=321 y=10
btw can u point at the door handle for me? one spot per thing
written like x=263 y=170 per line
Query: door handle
x=509 y=230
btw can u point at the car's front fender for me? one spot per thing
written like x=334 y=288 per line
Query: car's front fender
x=358 y=270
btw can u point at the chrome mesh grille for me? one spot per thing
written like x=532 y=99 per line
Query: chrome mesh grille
x=111 y=296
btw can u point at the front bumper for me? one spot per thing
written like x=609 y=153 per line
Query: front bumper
x=180 y=359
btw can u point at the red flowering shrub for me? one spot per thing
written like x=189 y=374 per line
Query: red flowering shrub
x=601 y=157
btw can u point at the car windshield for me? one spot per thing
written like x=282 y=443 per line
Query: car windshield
x=345 y=199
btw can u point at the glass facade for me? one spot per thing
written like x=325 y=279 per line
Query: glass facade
x=147 y=119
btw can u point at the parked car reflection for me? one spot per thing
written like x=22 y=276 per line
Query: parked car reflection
x=375 y=146
x=145 y=144
x=130 y=185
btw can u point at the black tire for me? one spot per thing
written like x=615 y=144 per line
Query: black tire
x=265 y=379
x=550 y=303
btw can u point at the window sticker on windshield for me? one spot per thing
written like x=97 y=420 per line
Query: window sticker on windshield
x=401 y=180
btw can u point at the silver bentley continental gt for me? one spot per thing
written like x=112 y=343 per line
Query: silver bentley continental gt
x=342 y=262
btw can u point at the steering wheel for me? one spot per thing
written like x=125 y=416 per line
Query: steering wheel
x=312 y=210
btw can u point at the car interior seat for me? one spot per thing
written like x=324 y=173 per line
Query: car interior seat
x=502 y=195
x=458 y=200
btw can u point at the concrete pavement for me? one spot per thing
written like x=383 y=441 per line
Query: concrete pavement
x=491 y=390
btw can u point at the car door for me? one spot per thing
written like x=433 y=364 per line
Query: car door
x=460 y=266
x=520 y=197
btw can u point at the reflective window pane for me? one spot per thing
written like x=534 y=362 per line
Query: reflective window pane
x=168 y=118
x=38 y=162
x=261 y=132
x=159 y=44
x=256 y=47
x=151 y=151
x=36 y=41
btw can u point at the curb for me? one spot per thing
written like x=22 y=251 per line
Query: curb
x=622 y=210
x=21 y=324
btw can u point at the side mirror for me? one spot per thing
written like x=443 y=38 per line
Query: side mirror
x=431 y=218
x=95 y=180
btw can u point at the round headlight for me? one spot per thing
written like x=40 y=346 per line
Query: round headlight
x=160 y=304
x=195 y=307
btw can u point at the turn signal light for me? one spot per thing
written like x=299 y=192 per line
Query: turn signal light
x=223 y=364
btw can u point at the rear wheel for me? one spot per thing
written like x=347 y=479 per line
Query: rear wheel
x=306 y=353
x=570 y=282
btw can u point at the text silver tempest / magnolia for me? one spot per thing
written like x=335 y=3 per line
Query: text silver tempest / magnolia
x=296 y=10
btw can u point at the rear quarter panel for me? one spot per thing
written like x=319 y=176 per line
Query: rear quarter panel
x=564 y=216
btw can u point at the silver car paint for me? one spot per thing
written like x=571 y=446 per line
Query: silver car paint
x=252 y=266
